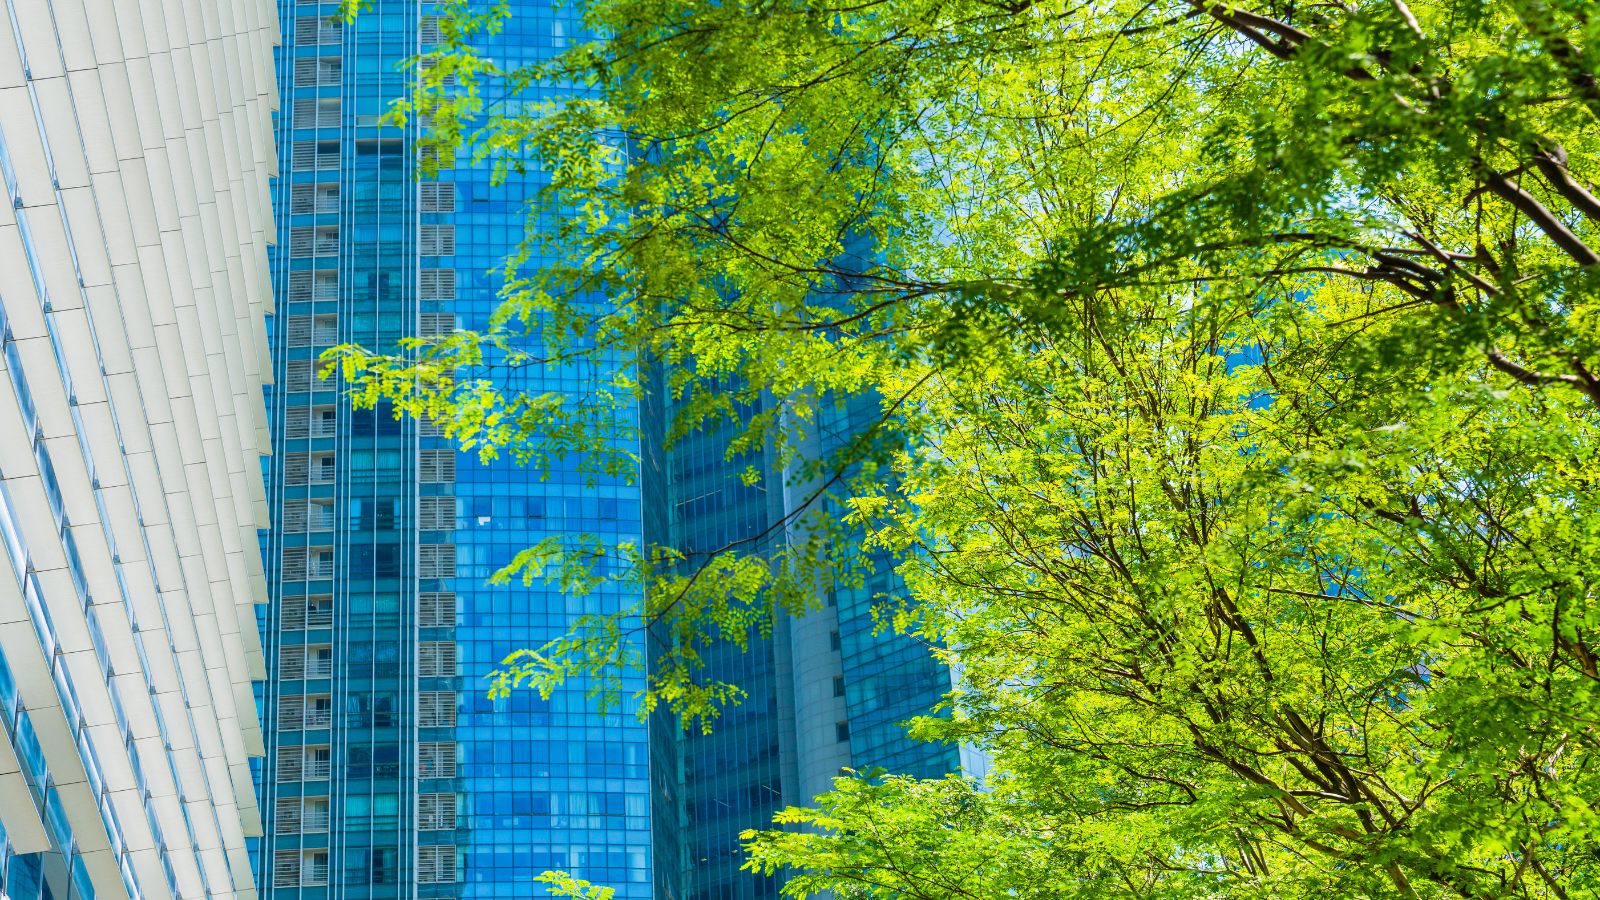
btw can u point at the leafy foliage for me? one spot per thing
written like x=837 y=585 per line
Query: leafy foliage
x=1239 y=409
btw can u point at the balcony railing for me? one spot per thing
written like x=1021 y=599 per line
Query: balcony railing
x=317 y=769
x=318 y=718
x=326 y=247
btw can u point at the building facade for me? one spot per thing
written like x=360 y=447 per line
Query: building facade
x=388 y=774
x=135 y=147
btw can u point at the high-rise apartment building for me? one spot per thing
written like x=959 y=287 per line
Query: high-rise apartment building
x=388 y=774
x=135 y=149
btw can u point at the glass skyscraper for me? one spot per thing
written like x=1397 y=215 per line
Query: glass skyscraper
x=388 y=774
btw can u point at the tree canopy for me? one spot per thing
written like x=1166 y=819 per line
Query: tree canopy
x=1239 y=408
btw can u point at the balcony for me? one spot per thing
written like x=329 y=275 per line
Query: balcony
x=318 y=718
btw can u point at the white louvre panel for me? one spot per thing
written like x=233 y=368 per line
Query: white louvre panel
x=438 y=240
x=305 y=30
x=436 y=466
x=299 y=287
x=296 y=467
x=325 y=330
x=296 y=422
x=286 y=868
x=292 y=663
x=294 y=564
x=302 y=200
x=436 y=284
x=294 y=515
x=446 y=81
x=319 y=662
x=329 y=71
x=436 y=760
x=287 y=821
x=292 y=614
x=319 y=612
x=305 y=115
x=436 y=514
x=305 y=72
x=436 y=561
x=436 y=197
x=297 y=376
x=301 y=241
x=436 y=610
x=436 y=864
x=436 y=709
x=427 y=427
x=330 y=30
x=289 y=764
x=303 y=156
x=436 y=812
x=299 y=331
x=436 y=659
x=318 y=763
x=328 y=112
x=428 y=32
x=437 y=325
x=291 y=712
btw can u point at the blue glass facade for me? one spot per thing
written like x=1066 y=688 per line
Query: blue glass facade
x=388 y=773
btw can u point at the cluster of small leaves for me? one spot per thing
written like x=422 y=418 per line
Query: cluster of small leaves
x=1237 y=368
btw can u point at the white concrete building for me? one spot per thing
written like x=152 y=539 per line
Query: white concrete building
x=136 y=146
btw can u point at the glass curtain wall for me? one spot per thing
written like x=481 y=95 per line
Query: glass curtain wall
x=388 y=774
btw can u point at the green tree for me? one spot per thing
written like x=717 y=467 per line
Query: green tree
x=1239 y=397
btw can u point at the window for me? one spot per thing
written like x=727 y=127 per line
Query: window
x=436 y=864
x=298 y=376
x=436 y=659
x=376 y=865
x=436 y=514
x=373 y=761
x=314 y=868
x=436 y=760
x=371 y=709
x=437 y=240
x=436 y=561
x=436 y=610
x=438 y=325
x=437 y=284
x=436 y=709
x=299 y=763
x=841 y=731
x=318 y=30
x=436 y=197
x=436 y=812
x=838 y=685
x=319 y=331
x=324 y=467
x=436 y=466
x=833 y=641
x=315 y=112
x=310 y=71
x=380 y=812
